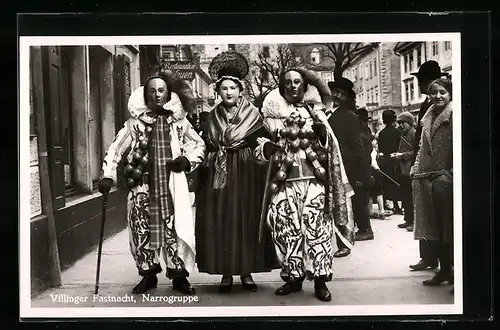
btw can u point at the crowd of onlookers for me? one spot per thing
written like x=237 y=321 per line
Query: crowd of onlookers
x=411 y=172
x=405 y=168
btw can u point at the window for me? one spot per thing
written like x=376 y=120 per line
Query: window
x=231 y=47
x=167 y=52
x=447 y=45
x=96 y=114
x=410 y=60
x=84 y=88
x=435 y=50
x=375 y=67
x=315 y=56
x=376 y=97
x=419 y=57
x=407 y=92
x=406 y=63
x=265 y=51
x=371 y=69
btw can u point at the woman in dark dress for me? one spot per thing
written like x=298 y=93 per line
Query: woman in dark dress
x=232 y=183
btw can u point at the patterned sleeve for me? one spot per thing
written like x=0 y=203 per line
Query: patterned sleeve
x=194 y=146
x=115 y=151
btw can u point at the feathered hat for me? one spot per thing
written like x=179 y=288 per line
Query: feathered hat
x=311 y=78
x=228 y=65
x=178 y=86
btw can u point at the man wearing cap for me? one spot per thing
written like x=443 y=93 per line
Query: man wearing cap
x=388 y=142
x=347 y=128
x=404 y=157
x=427 y=72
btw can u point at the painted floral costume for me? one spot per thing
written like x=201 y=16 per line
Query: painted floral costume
x=174 y=234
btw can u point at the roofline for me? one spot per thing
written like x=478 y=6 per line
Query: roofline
x=402 y=47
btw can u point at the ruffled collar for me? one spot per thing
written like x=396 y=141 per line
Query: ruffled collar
x=139 y=110
x=275 y=105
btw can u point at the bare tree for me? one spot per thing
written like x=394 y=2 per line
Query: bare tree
x=342 y=55
x=267 y=73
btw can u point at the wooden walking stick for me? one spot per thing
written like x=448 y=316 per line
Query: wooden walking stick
x=388 y=177
x=263 y=212
x=101 y=235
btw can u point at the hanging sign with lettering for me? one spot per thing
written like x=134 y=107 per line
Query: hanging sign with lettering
x=184 y=69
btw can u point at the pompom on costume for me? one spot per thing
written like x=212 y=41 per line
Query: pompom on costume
x=159 y=213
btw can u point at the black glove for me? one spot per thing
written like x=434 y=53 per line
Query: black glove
x=270 y=148
x=320 y=130
x=179 y=164
x=105 y=185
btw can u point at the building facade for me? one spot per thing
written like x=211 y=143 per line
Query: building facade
x=200 y=81
x=412 y=55
x=376 y=79
x=84 y=92
x=314 y=58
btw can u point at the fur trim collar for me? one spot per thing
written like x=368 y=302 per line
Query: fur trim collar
x=138 y=108
x=275 y=106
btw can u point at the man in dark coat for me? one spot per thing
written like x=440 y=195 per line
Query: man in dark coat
x=404 y=157
x=427 y=72
x=388 y=143
x=347 y=129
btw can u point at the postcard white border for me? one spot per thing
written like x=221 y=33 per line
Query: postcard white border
x=26 y=311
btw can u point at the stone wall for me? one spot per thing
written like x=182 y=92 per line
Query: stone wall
x=35 y=195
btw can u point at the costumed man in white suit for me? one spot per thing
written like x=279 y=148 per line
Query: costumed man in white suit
x=308 y=193
x=163 y=148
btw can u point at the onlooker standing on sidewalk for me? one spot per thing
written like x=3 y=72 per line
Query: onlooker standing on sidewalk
x=432 y=182
x=347 y=128
x=376 y=188
x=366 y=139
x=427 y=72
x=388 y=143
x=405 y=156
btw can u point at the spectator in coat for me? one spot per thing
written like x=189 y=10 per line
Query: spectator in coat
x=388 y=143
x=427 y=72
x=432 y=180
x=404 y=157
x=347 y=128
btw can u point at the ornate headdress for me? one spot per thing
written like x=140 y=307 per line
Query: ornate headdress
x=228 y=65
x=177 y=86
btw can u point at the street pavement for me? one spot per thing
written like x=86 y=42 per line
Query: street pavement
x=376 y=273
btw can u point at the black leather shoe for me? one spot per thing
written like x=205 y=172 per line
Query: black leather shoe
x=438 y=278
x=248 y=283
x=226 y=284
x=363 y=236
x=342 y=252
x=288 y=288
x=182 y=285
x=321 y=291
x=147 y=283
x=423 y=265
x=403 y=225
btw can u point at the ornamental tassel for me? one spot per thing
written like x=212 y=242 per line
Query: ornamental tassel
x=220 y=169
